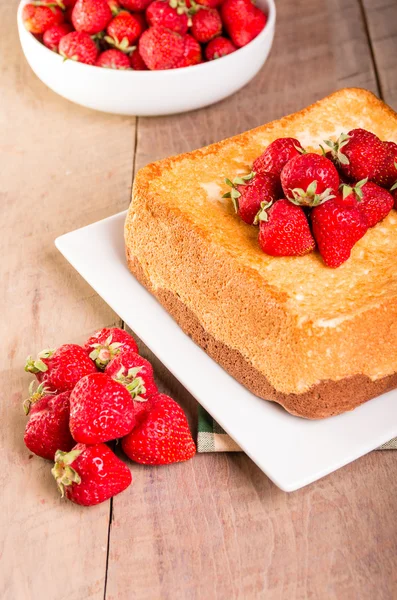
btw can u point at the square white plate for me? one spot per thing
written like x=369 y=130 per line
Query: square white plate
x=293 y=452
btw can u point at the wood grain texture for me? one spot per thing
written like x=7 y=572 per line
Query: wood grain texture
x=216 y=527
x=61 y=167
x=381 y=16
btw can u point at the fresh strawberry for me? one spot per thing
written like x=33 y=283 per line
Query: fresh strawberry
x=134 y=372
x=337 y=228
x=78 y=46
x=48 y=427
x=123 y=30
x=135 y=5
x=242 y=20
x=106 y=343
x=284 y=229
x=161 y=48
x=59 y=370
x=206 y=24
x=53 y=35
x=101 y=410
x=113 y=59
x=387 y=176
x=218 y=47
x=91 y=16
x=374 y=202
x=161 y=13
x=114 y=6
x=249 y=191
x=276 y=155
x=309 y=179
x=192 y=53
x=37 y=19
x=359 y=154
x=88 y=475
x=137 y=62
x=163 y=435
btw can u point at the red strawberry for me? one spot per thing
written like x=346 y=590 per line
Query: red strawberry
x=89 y=475
x=37 y=19
x=284 y=229
x=359 y=154
x=309 y=179
x=161 y=13
x=113 y=59
x=123 y=30
x=135 y=5
x=78 y=46
x=53 y=36
x=136 y=374
x=276 y=155
x=218 y=47
x=91 y=16
x=101 y=410
x=206 y=24
x=106 y=343
x=161 y=48
x=191 y=54
x=59 y=370
x=249 y=191
x=48 y=427
x=133 y=371
x=374 y=202
x=242 y=20
x=137 y=62
x=387 y=176
x=337 y=228
x=163 y=435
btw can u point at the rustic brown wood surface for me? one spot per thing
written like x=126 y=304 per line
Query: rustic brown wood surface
x=215 y=527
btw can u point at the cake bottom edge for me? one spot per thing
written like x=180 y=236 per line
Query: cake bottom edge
x=325 y=399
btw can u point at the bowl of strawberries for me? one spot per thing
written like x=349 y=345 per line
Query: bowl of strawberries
x=146 y=57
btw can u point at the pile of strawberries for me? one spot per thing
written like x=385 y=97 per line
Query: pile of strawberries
x=143 y=34
x=303 y=199
x=90 y=395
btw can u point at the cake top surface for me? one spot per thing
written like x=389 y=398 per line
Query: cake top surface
x=193 y=184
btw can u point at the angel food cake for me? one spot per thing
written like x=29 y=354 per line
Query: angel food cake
x=318 y=340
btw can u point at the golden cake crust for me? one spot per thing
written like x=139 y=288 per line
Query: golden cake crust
x=296 y=325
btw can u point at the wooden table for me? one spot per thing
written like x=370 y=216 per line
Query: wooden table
x=216 y=527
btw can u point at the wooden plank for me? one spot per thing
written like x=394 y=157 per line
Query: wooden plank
x=381 y=16
x=216 y=527
x=61 y=167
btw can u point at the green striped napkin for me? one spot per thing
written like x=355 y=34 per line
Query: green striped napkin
x=212 y=438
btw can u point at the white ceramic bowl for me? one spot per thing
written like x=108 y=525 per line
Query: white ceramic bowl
x=149 y=93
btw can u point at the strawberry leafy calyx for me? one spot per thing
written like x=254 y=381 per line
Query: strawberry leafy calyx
x=35 y=395
x=309 y=197
x=102 y=354
x=235 y=194
x=62 y=472
x=134 y=384
x=122 y=45
x=37 y=365
x=337 y=147
x=180 y=6
x=262 y=214
x=356 y=189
